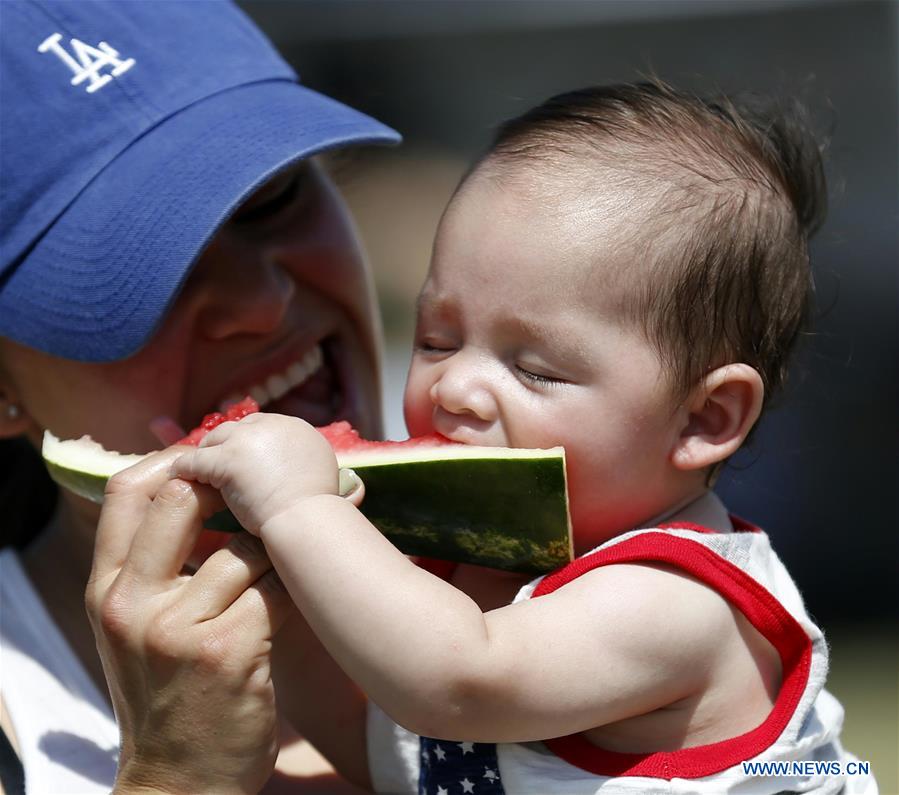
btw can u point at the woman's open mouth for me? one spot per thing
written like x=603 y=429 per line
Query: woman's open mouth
x=316 y=386
x=309 y=387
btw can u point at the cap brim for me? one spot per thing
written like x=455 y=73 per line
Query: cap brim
x=99 y=281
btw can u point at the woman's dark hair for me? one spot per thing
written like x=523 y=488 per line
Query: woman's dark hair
x=725 y=197
x=27 y=495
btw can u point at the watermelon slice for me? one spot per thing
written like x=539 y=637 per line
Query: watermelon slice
x=491 y=506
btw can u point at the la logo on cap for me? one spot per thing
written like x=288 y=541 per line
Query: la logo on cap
x=92 y=60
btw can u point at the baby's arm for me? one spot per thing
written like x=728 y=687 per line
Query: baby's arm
x=618 y=642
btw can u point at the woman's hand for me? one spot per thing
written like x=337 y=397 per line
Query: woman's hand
x=187 y=657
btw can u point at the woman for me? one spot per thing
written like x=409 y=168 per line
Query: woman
x=167 y=245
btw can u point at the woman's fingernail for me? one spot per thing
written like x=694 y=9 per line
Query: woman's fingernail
x=348 y=482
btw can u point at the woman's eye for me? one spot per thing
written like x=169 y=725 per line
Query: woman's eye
x=538 y=378
x=269 y=207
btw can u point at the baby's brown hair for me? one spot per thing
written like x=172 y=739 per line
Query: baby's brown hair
x=731 y=192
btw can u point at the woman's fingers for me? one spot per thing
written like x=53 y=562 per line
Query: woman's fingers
x=128 y=497
x=224 y=576
x=171 y=525
x=260 y=611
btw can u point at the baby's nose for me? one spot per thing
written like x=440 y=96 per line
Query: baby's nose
x=463 y=390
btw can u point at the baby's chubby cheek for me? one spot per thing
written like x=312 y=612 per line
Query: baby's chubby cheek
x=597 y=502
x=418 y=412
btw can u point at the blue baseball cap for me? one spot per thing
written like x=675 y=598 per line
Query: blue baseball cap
x=129 y=132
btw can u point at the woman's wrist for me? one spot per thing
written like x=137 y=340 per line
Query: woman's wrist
x=140 y=789
x=168 y=782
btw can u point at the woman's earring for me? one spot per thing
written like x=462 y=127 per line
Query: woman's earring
x=13 y=411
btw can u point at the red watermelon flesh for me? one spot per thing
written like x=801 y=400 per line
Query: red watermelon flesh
x=235 y=412
x=342 y=436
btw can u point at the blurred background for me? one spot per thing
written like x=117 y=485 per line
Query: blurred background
x=821 y=475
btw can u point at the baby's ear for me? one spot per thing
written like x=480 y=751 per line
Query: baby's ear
x=721 y=411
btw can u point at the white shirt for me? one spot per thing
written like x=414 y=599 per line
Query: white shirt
x=67 y=736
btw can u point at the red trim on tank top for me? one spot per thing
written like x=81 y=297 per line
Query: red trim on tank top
x=762 y=610
x=742 y=526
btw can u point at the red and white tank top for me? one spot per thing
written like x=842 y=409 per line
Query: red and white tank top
x=804 y=723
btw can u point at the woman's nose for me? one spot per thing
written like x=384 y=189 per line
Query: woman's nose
x=245 y=292
x=462 y=389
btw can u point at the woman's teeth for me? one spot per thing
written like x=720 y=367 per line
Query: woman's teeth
x=279 y=384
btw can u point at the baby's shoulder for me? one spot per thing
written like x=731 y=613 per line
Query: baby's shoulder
x=656 y=602
x=678 y=619
x=720 y=673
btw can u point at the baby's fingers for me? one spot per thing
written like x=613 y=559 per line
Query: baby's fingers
x=203 y=464
x=351 y=487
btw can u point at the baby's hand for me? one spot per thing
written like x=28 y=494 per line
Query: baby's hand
x=263 y=465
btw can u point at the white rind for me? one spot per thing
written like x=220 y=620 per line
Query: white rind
x=86 y=455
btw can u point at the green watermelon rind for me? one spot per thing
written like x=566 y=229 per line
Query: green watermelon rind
x=489 y=506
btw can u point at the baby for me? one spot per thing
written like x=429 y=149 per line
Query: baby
x=624 y=273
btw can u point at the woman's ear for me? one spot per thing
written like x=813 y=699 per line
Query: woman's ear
x=14 y=420
x=721 y=411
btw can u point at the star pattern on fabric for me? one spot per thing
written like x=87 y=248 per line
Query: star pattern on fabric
x=458 y=768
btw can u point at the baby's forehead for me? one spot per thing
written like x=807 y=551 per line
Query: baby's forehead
x=560 y=184
x=518 y=243
x=598 y=222
x=587 y=200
